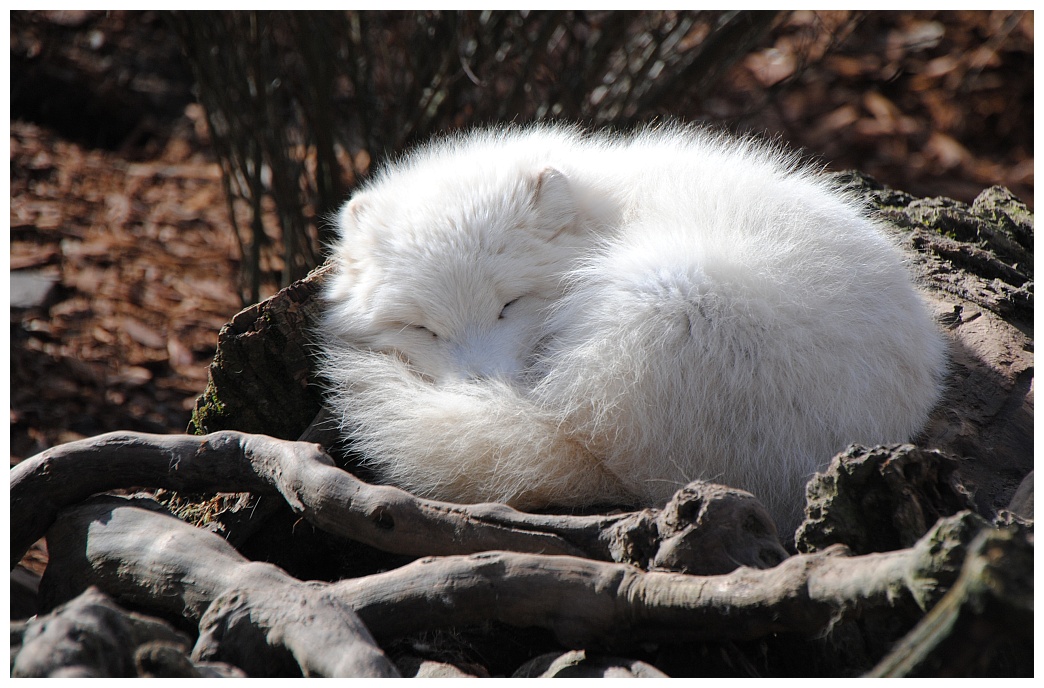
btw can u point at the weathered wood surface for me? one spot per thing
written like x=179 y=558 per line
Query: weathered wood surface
x=984 y=624
x=111 y=543
x=976 y=264
x=91 y=636
x=706 y=528
x=255 y=617
x=251 y=614
x=880 y=499
x=261 y=378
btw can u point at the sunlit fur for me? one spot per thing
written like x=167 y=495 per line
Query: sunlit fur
x=548 y=317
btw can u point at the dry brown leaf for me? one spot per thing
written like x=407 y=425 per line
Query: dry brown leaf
x=143 y=334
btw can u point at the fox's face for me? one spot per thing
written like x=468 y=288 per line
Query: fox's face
x=458 y=316
x=458 y=287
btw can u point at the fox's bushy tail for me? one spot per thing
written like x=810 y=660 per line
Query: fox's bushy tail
x=465 y=441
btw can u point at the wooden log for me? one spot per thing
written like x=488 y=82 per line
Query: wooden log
x=262 y=629
x=975 y=263
x=261 y=379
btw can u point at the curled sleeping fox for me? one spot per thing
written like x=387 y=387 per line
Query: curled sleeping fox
x=548 y=317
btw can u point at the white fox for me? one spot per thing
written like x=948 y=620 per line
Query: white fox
x=547 y=317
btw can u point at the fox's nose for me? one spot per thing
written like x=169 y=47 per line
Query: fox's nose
x=481 y=361
x=485 y=370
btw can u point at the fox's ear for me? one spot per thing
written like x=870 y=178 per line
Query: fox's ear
x=350 y=215
x=355 y=229
x=554 y=201
x=353 y=248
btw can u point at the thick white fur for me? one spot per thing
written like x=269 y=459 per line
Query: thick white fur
x=544 y=317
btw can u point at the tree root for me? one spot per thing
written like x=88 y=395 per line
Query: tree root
x=92 y=636
x=984 y=624
x=706 y=528
x=249 y=614
x=594 y=582
x=153 y=561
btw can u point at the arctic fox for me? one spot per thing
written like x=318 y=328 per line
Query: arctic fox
x=544 y=316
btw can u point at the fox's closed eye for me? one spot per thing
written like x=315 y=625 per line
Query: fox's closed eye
x=425 y=330
x=506 y=306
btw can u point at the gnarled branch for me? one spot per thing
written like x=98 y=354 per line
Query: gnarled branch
x=706 y=528
x=112 y=543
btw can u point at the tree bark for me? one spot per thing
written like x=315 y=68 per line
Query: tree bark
x=975 y=264
x=881 y=498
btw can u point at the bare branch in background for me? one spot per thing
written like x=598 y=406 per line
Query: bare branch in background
x=284 y=90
